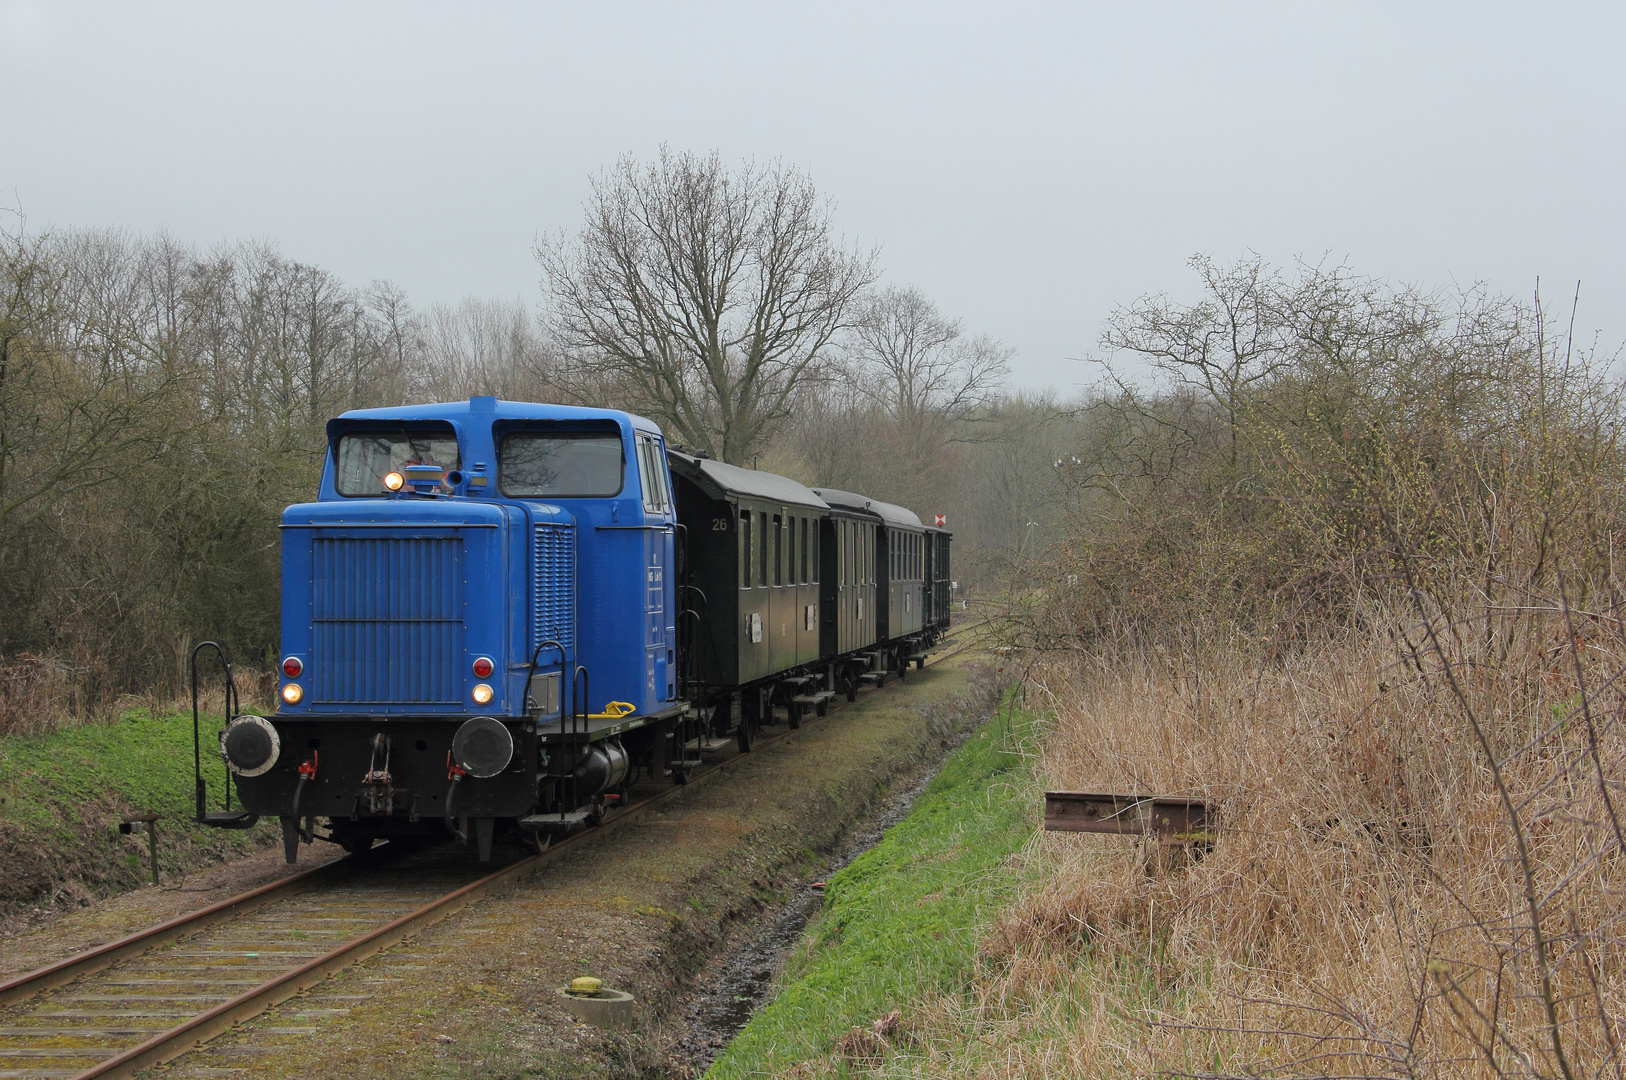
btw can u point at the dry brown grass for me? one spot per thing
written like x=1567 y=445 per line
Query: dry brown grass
x=1360 y=591
x=1363 y=911
x=39 y=694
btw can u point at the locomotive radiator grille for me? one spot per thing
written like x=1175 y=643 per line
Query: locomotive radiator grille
x=387 y=617
x=553 y=587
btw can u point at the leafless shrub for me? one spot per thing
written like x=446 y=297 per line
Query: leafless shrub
x=1365 y=605
x=37 y=693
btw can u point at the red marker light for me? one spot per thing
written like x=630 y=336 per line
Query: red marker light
x=483 y=668
x=292 y=667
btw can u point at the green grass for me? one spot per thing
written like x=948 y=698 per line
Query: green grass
x=62 y=795
x=904 y=919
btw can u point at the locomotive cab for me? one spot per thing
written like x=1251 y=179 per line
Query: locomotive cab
x=477 y=627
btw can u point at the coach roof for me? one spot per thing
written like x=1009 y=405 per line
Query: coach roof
x=898 y=517
x=721 y=480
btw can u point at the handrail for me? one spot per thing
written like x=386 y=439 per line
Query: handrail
x=531 y=674
x=232 y=704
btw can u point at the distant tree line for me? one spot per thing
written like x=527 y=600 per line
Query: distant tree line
x=160 y=403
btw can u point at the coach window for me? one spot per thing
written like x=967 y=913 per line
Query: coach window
x=761 y=548
x=745 y=549
x=778 y=550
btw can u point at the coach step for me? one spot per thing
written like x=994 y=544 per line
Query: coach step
x=556 y=824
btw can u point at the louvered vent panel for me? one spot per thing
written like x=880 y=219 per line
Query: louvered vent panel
x=553 y=587
x=388 y=615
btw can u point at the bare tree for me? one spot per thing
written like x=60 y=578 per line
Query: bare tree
x=80 y=383
x=711 y=296
x=1233 y=339
x=481 y=347
x=923 y=369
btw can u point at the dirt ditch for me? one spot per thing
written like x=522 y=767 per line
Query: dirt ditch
x=740 y=981
x=656 y=908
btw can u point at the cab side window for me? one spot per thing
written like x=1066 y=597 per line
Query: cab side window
x=652 y=476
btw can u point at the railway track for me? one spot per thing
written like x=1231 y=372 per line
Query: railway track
x=152 y=996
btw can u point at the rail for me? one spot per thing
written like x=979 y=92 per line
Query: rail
x=169 y=1043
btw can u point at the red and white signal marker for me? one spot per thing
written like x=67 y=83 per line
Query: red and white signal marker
x=942 y=519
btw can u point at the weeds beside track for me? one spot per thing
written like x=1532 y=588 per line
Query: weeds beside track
x=119 y=1051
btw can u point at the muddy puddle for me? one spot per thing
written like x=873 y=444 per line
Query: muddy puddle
x=747 y=973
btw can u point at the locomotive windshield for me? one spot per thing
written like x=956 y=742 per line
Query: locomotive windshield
x=366 y=457
x=562 y=464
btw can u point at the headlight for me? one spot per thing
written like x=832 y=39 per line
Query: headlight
x=394 y=480
x=482 y=694
x=293 y=693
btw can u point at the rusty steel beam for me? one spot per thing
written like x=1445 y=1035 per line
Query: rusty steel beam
x=1135 y=815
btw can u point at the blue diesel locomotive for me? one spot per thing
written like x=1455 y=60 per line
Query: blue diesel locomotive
x=497 y=615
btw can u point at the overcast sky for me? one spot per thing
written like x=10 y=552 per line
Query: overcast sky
x=1027 y=166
